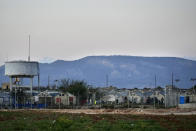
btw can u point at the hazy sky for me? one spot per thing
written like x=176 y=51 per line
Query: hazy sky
x=72 y=29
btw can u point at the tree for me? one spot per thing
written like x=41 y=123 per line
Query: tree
x=159 y=88
x=64 y=84
x=99 y=94
x=149 y=100
x=193 y=88
x=76 y=87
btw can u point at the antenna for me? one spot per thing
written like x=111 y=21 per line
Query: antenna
x=29 y=47
x=6 y=58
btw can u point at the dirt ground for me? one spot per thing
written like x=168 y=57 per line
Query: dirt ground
x=139 y=111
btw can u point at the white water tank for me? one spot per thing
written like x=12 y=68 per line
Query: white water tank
x=22 y=68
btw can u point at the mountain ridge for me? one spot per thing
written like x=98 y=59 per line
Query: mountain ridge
x=123 y=71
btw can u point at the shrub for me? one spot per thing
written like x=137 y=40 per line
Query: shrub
x=62 y=123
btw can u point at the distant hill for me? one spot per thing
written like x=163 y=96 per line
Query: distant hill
x=122 y=71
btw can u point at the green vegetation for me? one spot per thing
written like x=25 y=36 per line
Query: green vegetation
x=76 y=87
x=38 y=120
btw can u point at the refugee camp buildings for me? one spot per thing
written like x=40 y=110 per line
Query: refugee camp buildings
x=65 y=99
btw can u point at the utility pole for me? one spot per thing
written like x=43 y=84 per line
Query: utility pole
x=48 y=81
x=78 y=98
x=172 y=80
x=59 y=103
x=39 y=82
x=1 y=80
x=132 y=99
x=100 y=101
x=56 y=82
x=193 y=79
x=107 y=80
x=45 y=99
x=178 y=93
x=155 y=84
x=15 y=94
x=128 y=98
x=171 y=91
x=31 y=91
x=165 y=101
x=87 y=96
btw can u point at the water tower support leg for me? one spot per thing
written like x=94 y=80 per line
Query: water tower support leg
x=10 y=84
x=11 y=90
x=38 y=83
x=31 y=91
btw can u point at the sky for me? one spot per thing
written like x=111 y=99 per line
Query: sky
x=72 y=29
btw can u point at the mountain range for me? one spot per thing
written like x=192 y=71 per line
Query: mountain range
x=119 y=71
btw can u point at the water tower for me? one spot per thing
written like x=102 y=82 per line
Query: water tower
x=22 y=69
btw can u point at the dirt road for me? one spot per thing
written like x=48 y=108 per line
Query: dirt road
x=135 y=111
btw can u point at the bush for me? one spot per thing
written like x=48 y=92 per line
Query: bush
x=62 y=123
x=108 y=106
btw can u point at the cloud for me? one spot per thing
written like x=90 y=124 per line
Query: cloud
x=107 y=63
x=152 y=65
x=47 y=60
x=115 y=73
x=130 y=68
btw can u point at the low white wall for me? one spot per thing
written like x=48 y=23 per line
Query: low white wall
x=187 y=105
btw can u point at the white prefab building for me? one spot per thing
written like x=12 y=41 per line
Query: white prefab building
x=109 y=98
x=135 y=97
x=65 y=99
x=159 y=95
